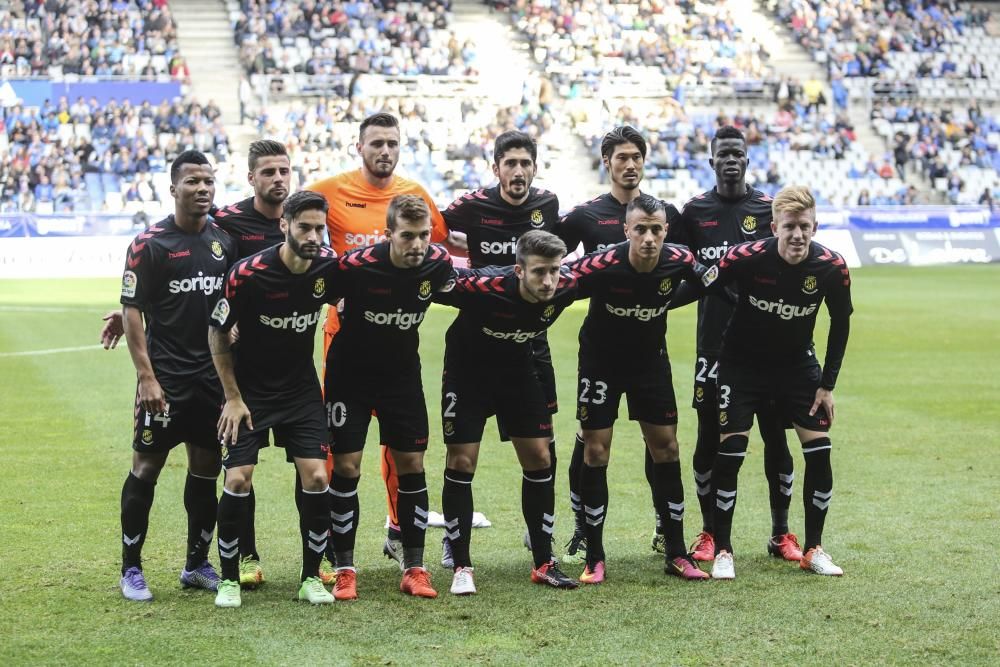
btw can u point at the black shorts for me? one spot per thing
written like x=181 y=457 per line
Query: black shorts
x=193 y=420
x=398 y=404
x=299 y=425
x=745 y=389
x=648 y=389
x=541 y=357
x=706 y=387
x=470 y=396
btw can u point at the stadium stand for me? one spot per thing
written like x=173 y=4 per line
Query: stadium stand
x=81 y=155
x=922 y=49
x=85 y=156
x=92 y=37
x=328 y=38
x=446 y=142
x=599 y=47
x=605 y=63
x=958 y=150
x=785 y=146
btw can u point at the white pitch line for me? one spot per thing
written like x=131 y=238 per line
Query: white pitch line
x=55 y=350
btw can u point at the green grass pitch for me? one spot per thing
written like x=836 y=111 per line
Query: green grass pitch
x=914 y=520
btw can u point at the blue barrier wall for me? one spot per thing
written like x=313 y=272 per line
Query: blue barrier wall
x=34 y=92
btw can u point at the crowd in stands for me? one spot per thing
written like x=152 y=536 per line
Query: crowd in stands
x=589 y=42
x=89 y=37
x=86 y=156
x=796 y=143
x=81 y=155
x=446 y=143
x=857 y=38
x=325 y=37
x=958 y=150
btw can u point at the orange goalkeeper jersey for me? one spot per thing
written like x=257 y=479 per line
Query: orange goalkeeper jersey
x=357 y=214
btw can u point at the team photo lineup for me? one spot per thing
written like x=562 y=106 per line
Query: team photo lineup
x=221 y=302
x=500 y=332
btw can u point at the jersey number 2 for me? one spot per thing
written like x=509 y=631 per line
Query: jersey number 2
x=449 y=410
x=600 y=391
x=713 y=372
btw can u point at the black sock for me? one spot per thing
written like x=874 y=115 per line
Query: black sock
x=538 y=504
x=817 y=489
x=248 y=536
x=411 y=509
x=552 y=458
x=704 y=459
x=728 y=460
x=344 y=518
x=648 y=468
x=137 y=499
x=575 y=470
x=314 y=525
x=670 y=491
x=329 y=505
x=298 y=492
x=778 y=469
x=232 y=516
x=330 y=556
x=201 y=505
x=594 y=494
x=457 y=505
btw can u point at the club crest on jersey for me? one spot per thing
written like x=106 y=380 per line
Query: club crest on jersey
x=749 y=224
x=809 y=285
x=147 y=436
x=699 y=394
x=221 y=312
x=449 y=428
x=319 y=288
x=723 y=418
x=665 y=286
x=217 y=249
x=424 y=291
x=537 y=219
x=581 y=413
x=549 y=311
x=709 y=276
x=129 y=282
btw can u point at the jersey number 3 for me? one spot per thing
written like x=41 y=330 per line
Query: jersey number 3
x=599 y=395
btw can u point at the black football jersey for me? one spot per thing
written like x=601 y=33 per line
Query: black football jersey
x=277 y=312
x=628 y=307
x=600 y=223
x=492 y=226
x=775 y=316
x=495 y=325
x=248 y=227
x=175 y=278
x=383 y=306
x=710 y=225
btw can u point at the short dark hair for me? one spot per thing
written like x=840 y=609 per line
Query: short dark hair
x=623 y=134
x=264 y=148
x=727 y=132
x=409 y=207
x=380 y=119
x=303 y=200
x=648 y=204
x=510 y=140
x=186 y=157
x=539 y=244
